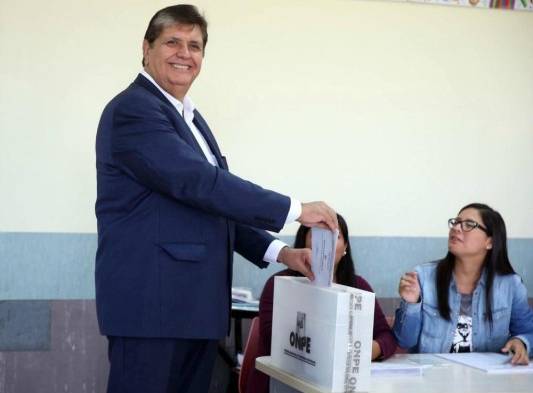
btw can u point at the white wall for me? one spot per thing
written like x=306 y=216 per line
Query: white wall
x=397 y=114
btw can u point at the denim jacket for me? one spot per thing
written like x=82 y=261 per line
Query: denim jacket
x=420 y=328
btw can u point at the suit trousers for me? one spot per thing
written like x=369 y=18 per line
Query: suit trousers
x=160 y=365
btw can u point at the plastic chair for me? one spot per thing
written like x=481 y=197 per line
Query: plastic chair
x=251 y=351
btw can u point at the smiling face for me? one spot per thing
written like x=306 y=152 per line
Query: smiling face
x=174 y=59
x=472 y=243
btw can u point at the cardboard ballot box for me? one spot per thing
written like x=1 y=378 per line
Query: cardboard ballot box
x=323 y=335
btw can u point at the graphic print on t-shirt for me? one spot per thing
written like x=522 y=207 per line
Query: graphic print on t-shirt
x=462 y=341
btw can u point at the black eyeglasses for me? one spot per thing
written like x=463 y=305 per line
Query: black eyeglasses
x=466 y=225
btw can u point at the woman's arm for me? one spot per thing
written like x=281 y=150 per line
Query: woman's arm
x=407 y=324
x=521 y=325
x=408 y=321
x=384 y=344
x=266 y=304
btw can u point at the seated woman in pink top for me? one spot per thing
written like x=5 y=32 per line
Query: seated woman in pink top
x=383 y=344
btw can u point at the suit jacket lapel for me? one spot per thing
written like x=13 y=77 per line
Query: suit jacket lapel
x=179 y=123
x=202 y=126
x=181 y=126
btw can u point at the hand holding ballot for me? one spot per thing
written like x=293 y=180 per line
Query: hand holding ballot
x=320 y=265
x=318 y=214
x=382 y=344
x=324 y=243
x=297 y=259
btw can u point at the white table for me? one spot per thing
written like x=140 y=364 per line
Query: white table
x=443 y=377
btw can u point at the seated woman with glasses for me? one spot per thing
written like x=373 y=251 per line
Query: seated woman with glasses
x=471 y=300
x=383 y=344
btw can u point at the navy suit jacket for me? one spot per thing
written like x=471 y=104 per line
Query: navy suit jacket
x=169 y=221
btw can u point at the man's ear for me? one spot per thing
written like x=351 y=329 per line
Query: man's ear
x=146 y=47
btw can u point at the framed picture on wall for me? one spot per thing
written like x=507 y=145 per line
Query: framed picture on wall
x=518 y=5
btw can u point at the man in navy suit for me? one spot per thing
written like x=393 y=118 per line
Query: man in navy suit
x=170 y=215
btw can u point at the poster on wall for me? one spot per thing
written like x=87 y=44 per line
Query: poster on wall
x=519 y=5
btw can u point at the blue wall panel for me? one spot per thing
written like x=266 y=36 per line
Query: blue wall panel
x=61 y=266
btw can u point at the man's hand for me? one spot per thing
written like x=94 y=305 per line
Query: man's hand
x=298 y=259
x=318 y=214
x=409 y=287
x=517 y=349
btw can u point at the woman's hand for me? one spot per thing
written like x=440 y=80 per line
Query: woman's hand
x=516 y=347
x=376 y=350
x=409 y=287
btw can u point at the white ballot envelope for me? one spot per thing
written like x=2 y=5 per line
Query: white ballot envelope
x=323 y=243
x=323 y=334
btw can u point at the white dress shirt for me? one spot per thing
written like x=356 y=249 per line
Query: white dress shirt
x=186 y=110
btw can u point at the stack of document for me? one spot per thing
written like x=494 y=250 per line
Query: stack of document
x=242 y=296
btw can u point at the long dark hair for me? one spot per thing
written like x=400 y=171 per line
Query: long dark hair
x=496 y=261
x=345 y=273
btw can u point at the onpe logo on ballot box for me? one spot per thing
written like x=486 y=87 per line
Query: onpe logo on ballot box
x=330 y=344
x=298 y=339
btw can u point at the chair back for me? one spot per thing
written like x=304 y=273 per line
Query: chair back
x=251 y=351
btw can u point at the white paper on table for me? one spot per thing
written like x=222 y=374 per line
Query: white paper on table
x=426 y=360
x=397 y=368
x=324 y=244
x=492 y=363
